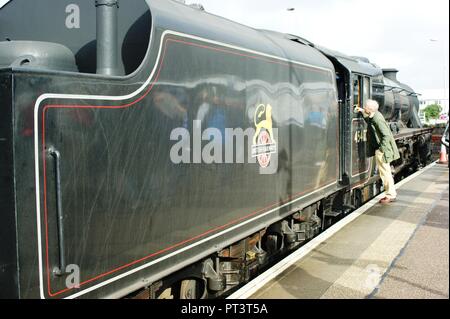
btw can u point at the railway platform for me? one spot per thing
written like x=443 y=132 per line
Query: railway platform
x=399 y=250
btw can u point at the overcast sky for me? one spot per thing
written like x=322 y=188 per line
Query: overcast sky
x=391 y=33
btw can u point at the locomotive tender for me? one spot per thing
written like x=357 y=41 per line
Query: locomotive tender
x=92 y=203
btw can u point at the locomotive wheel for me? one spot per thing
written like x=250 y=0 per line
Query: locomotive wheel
x=193 y=289
x=189 y=289
x=272 y=243
x=357 y=199
x=184 y=289
x=166 y=294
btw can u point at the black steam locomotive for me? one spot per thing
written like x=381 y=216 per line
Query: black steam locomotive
x=173 y=153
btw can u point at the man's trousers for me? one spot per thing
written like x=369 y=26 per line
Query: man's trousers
x=386 y=175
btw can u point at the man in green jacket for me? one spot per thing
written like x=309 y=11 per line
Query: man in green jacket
x=381 y=144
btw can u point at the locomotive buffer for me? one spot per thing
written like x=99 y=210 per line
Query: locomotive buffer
x=398 y=250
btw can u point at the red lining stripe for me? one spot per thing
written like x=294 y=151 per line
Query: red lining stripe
x=126 y=106
x=250 y=56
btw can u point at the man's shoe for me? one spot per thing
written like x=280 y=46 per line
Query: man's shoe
x=386 y=200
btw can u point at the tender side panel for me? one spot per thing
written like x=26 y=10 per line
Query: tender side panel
x=126 y=202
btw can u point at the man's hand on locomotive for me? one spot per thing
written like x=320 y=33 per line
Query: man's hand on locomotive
x=366 y=113
x=359 y=109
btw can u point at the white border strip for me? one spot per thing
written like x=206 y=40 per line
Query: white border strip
x=256 y=284
x=125 y=97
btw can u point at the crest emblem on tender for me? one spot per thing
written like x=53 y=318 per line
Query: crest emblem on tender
x=264 y=143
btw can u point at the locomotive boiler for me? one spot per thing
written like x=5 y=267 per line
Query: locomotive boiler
x=172 y=153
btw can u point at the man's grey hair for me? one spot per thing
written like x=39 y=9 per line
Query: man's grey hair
x=372 y=105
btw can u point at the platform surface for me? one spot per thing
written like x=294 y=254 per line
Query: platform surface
x=399 y=250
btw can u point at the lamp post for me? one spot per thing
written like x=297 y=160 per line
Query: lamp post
x=290 y=20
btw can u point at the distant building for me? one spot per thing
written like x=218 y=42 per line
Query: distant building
x=429 y=97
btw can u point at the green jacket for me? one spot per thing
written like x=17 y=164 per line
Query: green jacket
x=379 y=136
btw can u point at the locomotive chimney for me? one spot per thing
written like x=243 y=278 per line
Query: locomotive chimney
x=391 y=74
x=107 y=38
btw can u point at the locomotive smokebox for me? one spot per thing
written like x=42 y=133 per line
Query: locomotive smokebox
x=107 y=37
x=391 y=74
